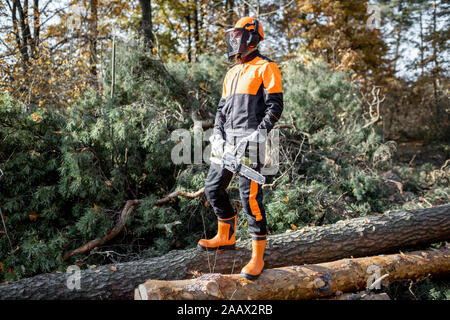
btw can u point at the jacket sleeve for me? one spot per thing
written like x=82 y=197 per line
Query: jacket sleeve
x=220 y=118
x=273 y=97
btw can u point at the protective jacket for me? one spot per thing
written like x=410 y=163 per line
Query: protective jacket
x=252 y=98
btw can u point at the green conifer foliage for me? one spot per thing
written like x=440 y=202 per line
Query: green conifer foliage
x=68 y=173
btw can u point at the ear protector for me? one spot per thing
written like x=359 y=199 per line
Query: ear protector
x=254 y=36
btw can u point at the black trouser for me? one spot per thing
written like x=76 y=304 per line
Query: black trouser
x=251 y=196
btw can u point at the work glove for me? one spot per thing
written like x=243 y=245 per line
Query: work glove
x=217 y=145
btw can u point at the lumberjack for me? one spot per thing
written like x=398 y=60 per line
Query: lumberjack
x=251 y=104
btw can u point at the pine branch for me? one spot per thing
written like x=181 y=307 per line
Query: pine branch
x=130 y=205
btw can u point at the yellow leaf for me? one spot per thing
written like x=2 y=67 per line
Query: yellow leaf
x=40 y=103
x=294 y=226
x=35 y=116
x=95 y=208
x=287 y=199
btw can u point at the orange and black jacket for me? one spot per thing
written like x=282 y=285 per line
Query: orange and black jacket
x=252 y=97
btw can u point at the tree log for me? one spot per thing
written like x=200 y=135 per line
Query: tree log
x=302 y=282
x=358 y=237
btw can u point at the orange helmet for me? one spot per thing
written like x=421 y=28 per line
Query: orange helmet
x=251 y=24
x=245 y=36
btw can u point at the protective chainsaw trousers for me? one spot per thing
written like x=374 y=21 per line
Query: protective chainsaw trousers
x=216 y=184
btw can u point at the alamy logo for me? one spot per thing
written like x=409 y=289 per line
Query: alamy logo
x=74 y=278
x=190 y=147
x=375 y=278
x=75 y=18
x=374 y=20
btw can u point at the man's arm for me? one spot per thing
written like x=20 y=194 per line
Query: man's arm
x=273 y=97
x=220 y=118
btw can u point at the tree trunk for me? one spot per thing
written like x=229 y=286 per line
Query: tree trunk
x=435 y=70
x=398 y=30
x=93 y=35
x=303 y=282
x=146 y=22
x=229 y=8
x=246 y=10
x=25 y=34
x=189 y=47
x=196 y=32
x=422 y=47
x=356 y=237
x=36 y=24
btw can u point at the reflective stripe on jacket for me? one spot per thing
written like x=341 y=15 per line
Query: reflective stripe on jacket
x=252 y=97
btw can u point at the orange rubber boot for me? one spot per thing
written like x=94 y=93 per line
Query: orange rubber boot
x=225 y=238
x=254 y=268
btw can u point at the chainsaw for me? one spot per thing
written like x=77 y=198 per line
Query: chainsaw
x=235 y=162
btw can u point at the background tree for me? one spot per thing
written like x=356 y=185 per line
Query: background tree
x=146 y=22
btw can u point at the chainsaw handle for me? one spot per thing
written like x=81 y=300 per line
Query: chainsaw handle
x=241 y=145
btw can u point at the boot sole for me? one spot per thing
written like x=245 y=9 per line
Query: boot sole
x=227 y=247
x=249 y=276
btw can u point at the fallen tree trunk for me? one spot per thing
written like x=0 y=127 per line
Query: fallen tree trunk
x=302 y=282
x=356 y=237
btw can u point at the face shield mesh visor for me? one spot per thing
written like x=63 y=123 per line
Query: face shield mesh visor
x=237 y=41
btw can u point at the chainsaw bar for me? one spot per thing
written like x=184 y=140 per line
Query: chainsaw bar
x=236 y=166
x=233 y=161
x=251 y=174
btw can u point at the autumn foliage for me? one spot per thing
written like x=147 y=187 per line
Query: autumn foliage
x=73 y=150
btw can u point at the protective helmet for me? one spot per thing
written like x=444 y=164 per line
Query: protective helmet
x=245 y=36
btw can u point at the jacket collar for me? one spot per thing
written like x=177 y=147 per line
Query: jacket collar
x=249 y=57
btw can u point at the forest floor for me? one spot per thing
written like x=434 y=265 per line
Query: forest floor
x=419 y=152
x=414 y=154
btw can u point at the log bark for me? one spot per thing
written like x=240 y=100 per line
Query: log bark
x=358 y=237
x=302 y=282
